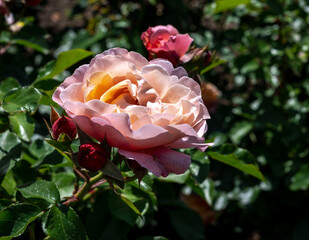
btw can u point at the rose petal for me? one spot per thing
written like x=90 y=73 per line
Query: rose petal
x=179 y=43
x=160 y=161
x=157 y=77
x=77 y=77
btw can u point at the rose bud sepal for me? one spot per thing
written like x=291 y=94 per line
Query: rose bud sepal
x=111 y=170
x=137 y=169
x=54 y=115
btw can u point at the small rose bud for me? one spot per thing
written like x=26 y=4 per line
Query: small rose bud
x=64 y=125
x=32 y=2
x=92 y=156
x=207 y=57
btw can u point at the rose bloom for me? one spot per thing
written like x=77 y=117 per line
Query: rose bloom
x=165 y=42
x=145 y=109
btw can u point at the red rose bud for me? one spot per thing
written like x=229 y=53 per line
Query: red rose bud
x=64 y=125
x=207 y=57
x=92 y=156
x=32 y=2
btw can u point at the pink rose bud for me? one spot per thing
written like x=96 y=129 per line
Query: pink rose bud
x=32 y=2
x=92 y=156
x=64 y=125
x=165 y=42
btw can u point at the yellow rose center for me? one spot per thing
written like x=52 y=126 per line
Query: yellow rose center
x=118 y=90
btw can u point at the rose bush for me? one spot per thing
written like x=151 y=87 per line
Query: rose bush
x=145 y=109
x=165 y=42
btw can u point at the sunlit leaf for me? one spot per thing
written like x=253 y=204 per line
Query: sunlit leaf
x=6 y=85
x=237 y=157
x=23 y=125
x=66 y=60
x=64 y=224
x=223 y=5
x=24 y=99
x=41 y=189
x=15 y=218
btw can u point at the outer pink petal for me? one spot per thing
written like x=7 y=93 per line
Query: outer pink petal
x=77 y=77
x=160 y=161
x=148 y=136
x=180 y=44
x=99 y=129
x=134 y=57
x=179 y=72
x=72 y=93
x=171 y=29
x=172 y=161
x=145 y=160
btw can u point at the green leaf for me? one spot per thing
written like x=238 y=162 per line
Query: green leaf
x=65 y=183
x=62 y=148
x=176 y=178
x=223 y=5
x=66 y=60
x=24 y=99
x=300 y=181
x=45 y=71
x=47 y=84
x=152 y=238
x=10 y=151
x=23 y=125
x=6 y=85
x=41 y=189
x=15 y=218
x=64 y=224
x=237 y=158
x=123 y=209
x=214 y=64
x=31 y=44
x=240 y=130
x=4 y=122
x=130 y=204
x=9 y=183
x=4 y=203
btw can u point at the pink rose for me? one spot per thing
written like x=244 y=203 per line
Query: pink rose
x=166 y=42
x=143 y=108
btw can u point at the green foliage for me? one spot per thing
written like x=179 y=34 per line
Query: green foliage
x=24 y=99
x=66 y=60
x=63 y=223
x=41 y=189
x=15 y=218
x=238 y=158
